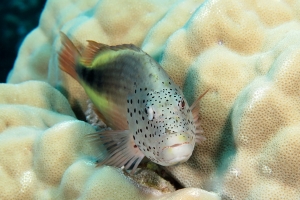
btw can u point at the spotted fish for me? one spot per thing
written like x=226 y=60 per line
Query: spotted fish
x=133 y=95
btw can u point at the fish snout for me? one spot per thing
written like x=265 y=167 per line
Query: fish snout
x=177 y=153
x=177 y=149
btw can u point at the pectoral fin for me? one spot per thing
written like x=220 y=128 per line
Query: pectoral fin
x=120 y=146
x=195 y=108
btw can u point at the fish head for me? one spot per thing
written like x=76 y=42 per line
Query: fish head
x=170 y=137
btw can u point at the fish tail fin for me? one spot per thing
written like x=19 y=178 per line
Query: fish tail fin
x=68 y=56
x=195 y=111
x=121 y=149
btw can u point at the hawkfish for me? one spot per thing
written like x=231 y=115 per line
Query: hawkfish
x=146 y=111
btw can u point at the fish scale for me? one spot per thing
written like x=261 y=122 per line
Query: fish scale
x=150 y=135
x=122 y=76
x=138 y=100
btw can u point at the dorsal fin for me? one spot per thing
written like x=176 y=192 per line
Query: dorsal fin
x=94 y=48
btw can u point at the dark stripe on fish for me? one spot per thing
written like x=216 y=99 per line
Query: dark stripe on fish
x=87 y=75
x=114 y=74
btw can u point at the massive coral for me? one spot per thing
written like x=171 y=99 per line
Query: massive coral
x=246 y=52
x=44 y=153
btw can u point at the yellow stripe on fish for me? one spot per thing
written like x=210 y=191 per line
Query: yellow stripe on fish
x=138 y=100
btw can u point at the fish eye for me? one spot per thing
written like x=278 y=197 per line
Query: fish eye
x=149 y=111
x=181 y=103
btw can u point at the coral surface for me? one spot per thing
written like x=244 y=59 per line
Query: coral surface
x=44 y=154
x=247 y=52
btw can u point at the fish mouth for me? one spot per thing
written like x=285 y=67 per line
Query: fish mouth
x=175 y=145
x=179 y=159
x=176 y=153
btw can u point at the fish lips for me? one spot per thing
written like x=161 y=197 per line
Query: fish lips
x=177 y=153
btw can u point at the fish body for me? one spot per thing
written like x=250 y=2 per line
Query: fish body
x=138 y=100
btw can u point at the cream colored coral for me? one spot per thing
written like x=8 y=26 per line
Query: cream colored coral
x=245 y=51
x=231 y=56
x=44 y=153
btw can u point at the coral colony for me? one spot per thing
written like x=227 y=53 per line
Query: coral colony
x=245 y=52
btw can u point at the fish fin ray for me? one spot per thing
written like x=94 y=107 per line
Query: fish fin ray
x=195 y=108
x=93 y=116
x=94 y=48
x=90 y=52
x=196 y=103
x=120 y=146
x=68 y=56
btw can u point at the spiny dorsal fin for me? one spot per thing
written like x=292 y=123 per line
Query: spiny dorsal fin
x=94 y=48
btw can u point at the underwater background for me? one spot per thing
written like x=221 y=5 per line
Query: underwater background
x=19 y=17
